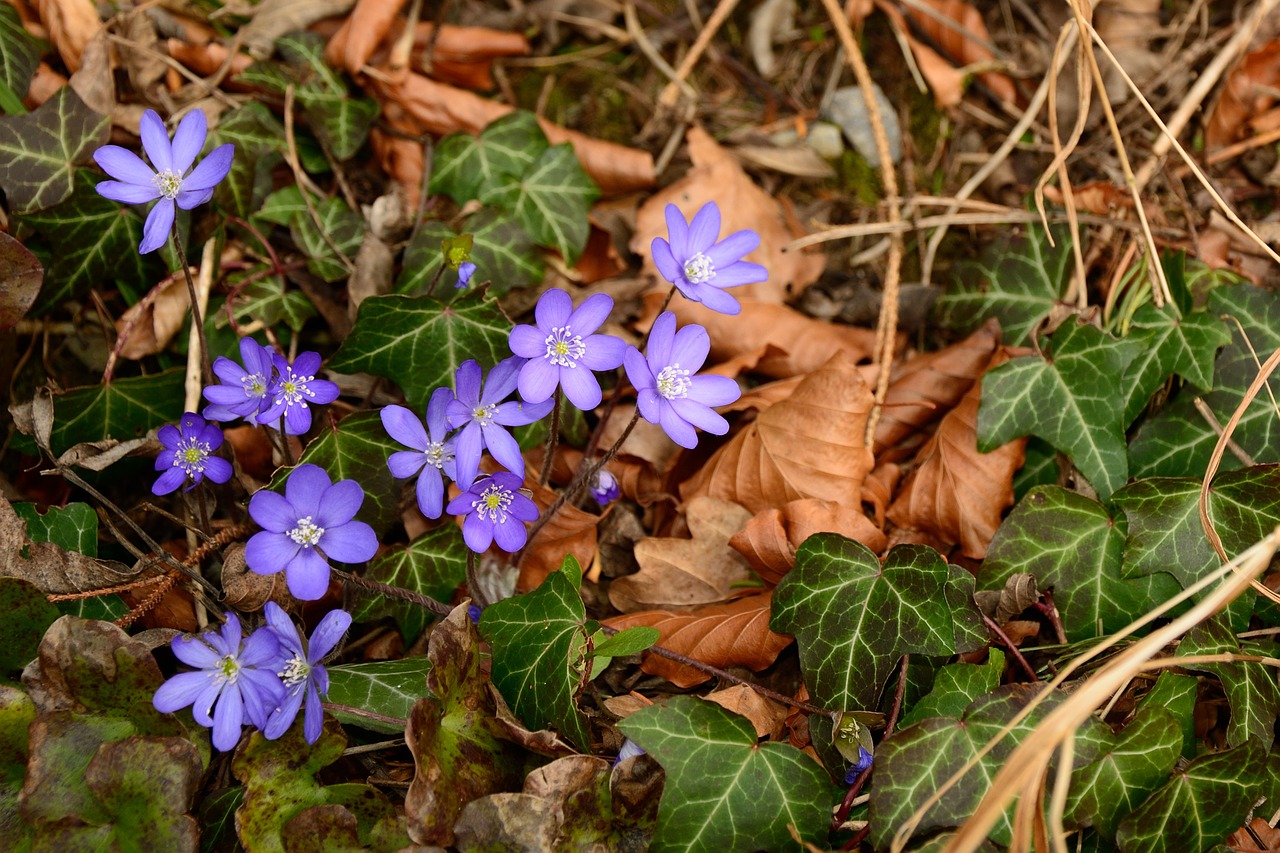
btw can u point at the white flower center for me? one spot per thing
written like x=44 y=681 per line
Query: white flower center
x=485 y=414
x=293 y=387
x=674 y=382
x=227 y=669
x=492 y=503
x=699 y=269
x=168 y=183
x=295 y=671
x=564 y=349
x=254 y=385
x=191 y=455
x=436 y=455
x=306 y=534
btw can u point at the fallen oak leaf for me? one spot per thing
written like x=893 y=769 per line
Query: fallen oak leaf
x=1248 y=91
x=770 y=539
x=735 y=633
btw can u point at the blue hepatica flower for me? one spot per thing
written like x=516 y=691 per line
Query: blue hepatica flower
x=699 y=266
x=169 y=181
x=668 y=392
x=243 y=392
x=482 y=415
x=188 y=455
x=495 y=511
x=300 y=672
x=238 y=677
x=561 y=350
x=313 y=522
x=465 y=270
x=605 y=488
x=431 y=453
x=865 y=760
x=295 y=391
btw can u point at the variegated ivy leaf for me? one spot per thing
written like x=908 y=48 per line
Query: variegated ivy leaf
x=388 y=688
x=39 y=151
x=259 y=138
x=504 y=255
x=344 y=229
x=550 y=200
x=433 y=565
x=1250 y=685
x=19 y=52
x=1168 y=345
x=506 y=148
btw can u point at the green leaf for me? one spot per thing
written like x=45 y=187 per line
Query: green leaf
x=507 y=147
x=539 y=653
x=551 y=200
x=957 y=685
x=338 y=119
x=388 y=688
x=73 y=527
x=433 y=565
x=19 y=51
x=281 y=206
x=1250 y=686
x=358 y=450
x=1136 y=763
x=1170 y=345
x=1176 y=694
x=145 y=786
x=838 y=600
x=724 y=790
x=1178 y=441
x=258 y=138
x=420 y=343
x=501 y=250
x=28 y=614
x=631 y=641
x=127 y=408
x=1019 y=279
x=39 y=151
x=1166 y=535
x=1076 y=547
x=345 y=229
x=269 y=301
x=1072 y=400
x=1200 y=806
x=93 y=239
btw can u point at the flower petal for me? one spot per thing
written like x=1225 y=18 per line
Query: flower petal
x=538 y=380
x=308 y=575
x=211 y=170
x=510 y=535
x=677 y=428
x=313 y=717
x=155 y=141
x=477 y=533
x=304 y=488
x=227 y=720
x=703 y=230
x=297 y=419
x=638 y=372
x=272 y=511
x=603 y=352
x=733 y=248
x=260 y=649
x=714 y=390
x=437 y=421
x=307 y=363
x=267 y=553
x=581 y=387
x=282 y=718
x=279 y=621
x=591 y=314
x=528 y=342
x=677 y=230
x=523 y=508
x=718 y=300
x=168 y=481
x=553 y=310
x=123 y=165
x=743 y=272
x=156 y=229
x=327 y=634
x=430 y=492
x=191 y=199
x=180 y=691
x=700 y=416
x=194 y=652
x=218 y=469
x=127 y=193
x=466 y=382
x=502 y=380
x=661 y=336
x=467 y=453
x=353 y=542
x=339 y=504
x=647 y=401
x=403 y=464
x=504 y=449
x=690 y=348
x=520 y=413
x=660 y=251
x=188 y=139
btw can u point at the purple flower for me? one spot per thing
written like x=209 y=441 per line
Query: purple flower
x=668 y=392
x=865 y=760
x=296 y=390
x=137 y=183
x=432 y=453
x=311 y=517
x=300 y=671
x=188 y=454
x=699 y=266
x=563 y=351
x=245 y=391
x=495 y=511
x=605 y=488
x=239 y=677
x=465 y=270
x=630 y=749
x=482 y=414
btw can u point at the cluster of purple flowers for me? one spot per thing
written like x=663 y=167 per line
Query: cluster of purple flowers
x=264 y=678
x=265 y=387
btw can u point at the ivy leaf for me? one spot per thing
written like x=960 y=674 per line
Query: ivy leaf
x=1136 y=763
x=419 y=343
x=1072 y=400
x=1178 y=441
x=73 y=527
x=269 y=301
x=358 y=450
x=257 y=136
x=19 y=51
x=1250 y=686
x=540 y=655
x=389 y=688
x=1169 y=344
x=550 y=200
x=955 y=686
x=502 y=252
x=281 y=206
x=724 y=790
x=39 y=151
x=1018 y=279
x=93 y=238
x=127 y=408
x=433 y=565
x=339 y=120
x=345 y=229
x=837 y=600
x=507 y=147
x=1200 y=805
x=1073 y=545
x=1176 y=695
x=1165 y=533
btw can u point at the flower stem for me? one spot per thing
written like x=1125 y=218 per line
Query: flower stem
x=284 y=444
x=436 y=607
x=473 y=581
x=196 y=317
x=553 y=436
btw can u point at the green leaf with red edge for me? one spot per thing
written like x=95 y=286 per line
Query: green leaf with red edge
x=1170 y=345
x=386 y=687
x=1072 y=398
x=1250 y=686
x=838 y=599
x=39 y=151
x=724 y=789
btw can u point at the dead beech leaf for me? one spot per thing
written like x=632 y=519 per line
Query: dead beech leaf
x=274 y=18
x=766 y=715
x=149 y=326
x=957 y=48
x=735 y=633
x=1249 y=90
x=72 y=24
x=1247 y=840
x=718 y=176
x=48 y=567
x=770 y=539
x=958 y=495
x=878 y=489
x=684 y=572
x=570 y=531
x=807 y=446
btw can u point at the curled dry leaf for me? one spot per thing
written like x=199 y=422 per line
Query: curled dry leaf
x=770 y=539
x=72 y=24
x=766 y=715
x=735 y=633
x=717 y=176
x=1018 y=593
x=149 y=326
x=684 y=572
x=274 y=18
x=1249 y=90
x=570 y=531
x=878 y=489
x=958 y=495
x=207 y=59
x=48 y=567
x=807 y=446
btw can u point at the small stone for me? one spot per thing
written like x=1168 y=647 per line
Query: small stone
x=848 y=109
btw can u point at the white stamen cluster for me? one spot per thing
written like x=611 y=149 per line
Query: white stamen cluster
x=699 y=269
x=293 y=387
x=255 y=385
x=493 y=503
x=485 y=414
x=673 y=382
x=436 y=456
x=563 y=348
x=191 y=455
x=296 y=671
x=305 y=533
x=168 y=183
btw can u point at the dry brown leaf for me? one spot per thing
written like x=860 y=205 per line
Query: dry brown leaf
x=944 y=79
x=45 y=83
x=878 y=489
x=807 y=446
x=770 y=539
x=1249 y=90
x=72 y=24
x=766 y=715
x=570 y=531
x=687 y=572
x=735 y=633
x=360 y=34
x=718 y=176
x=958 y=495
x=149 y=326
x=208 y=59
x=51 y=569
x=274 y=18
x=637 y=479
x=1243 y=841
